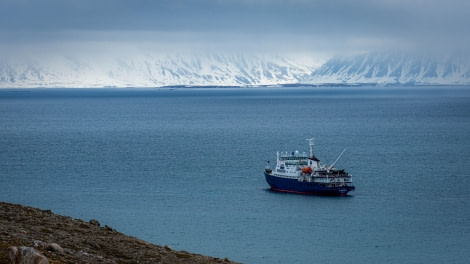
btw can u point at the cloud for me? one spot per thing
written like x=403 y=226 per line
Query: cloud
x=326 y=26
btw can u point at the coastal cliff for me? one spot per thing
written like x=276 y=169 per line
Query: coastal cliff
x=62 y=239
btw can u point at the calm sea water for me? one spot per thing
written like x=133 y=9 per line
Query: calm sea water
x=184 y=168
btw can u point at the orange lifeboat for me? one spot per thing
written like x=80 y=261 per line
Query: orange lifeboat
x=307 y=170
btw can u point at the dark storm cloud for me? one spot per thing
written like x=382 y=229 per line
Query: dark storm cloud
x=335 y=24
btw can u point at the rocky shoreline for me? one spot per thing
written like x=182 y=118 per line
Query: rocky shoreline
x=62 y=239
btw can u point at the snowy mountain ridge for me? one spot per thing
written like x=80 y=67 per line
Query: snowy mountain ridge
x=393 y=69
x=154 y=71
x=157 y=70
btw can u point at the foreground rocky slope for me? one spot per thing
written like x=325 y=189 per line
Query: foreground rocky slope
x=62 y=239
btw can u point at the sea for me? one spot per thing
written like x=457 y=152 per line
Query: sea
x=183 y=167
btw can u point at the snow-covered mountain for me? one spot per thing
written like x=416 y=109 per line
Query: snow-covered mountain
x=157 y=70
x=153 y=71
x=393 y=69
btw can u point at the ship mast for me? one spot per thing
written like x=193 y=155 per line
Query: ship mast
x=310 y=144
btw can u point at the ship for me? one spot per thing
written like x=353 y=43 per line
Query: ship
x=303 y=173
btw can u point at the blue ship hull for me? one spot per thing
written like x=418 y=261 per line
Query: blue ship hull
x=294 y=186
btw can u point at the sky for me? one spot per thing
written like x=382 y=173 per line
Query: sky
x=316 y=28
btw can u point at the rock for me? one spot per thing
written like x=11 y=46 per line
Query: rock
x=108 y=228
x=38 y=243
x=26 y=255
x=53 y=247
x=84 y=225
x=94 y=222
x=93 y=244
x=48 y=211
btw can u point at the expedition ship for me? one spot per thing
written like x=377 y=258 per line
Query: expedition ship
x=302 y=173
